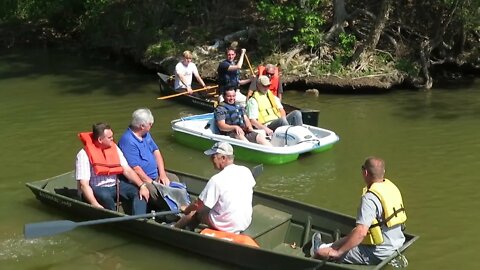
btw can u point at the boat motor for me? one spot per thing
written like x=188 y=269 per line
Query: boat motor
x=291 y=135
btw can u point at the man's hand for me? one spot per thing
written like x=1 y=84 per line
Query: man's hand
x=268 y=131
x=189 y=90
x=97 y=205
x=144 y=193
x=164 y=180
x=239 y=130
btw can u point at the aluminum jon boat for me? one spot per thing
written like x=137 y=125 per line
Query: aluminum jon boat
x=200 y=132
x=279 y=226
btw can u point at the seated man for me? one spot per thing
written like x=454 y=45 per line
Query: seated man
x=184 y=72
x=380 y=217
x=225 y=204
x=266 y=112
x=143 y=155
x=276 y=86
x=97 y=167
x=232 y=120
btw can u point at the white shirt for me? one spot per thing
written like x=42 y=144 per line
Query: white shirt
x=84 y=170
x=186 y=72
x=229 y=196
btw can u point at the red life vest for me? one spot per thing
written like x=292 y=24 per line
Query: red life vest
x=274 y=80
x=104 y=161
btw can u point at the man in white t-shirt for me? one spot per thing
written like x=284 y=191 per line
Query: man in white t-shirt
x=183 y=74
x=225 y=203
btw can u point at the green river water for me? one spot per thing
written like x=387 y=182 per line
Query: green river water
x=429 y=140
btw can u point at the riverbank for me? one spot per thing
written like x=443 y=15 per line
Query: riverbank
x=357 y=56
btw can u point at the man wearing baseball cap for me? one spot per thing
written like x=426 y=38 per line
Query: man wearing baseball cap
x=266 y=112
x=225 y=204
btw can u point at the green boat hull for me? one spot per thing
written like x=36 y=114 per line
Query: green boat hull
x=241 y=153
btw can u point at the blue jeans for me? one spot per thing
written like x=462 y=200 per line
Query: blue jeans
x=107 y=197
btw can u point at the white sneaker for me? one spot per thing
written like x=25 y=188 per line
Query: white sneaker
x=316 y=242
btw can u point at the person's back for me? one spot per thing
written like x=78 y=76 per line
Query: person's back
x=232 y=210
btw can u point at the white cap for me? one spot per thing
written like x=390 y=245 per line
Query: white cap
x=220 y=148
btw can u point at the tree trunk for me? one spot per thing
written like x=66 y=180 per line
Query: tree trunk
x=339 y=17
x=363 y=52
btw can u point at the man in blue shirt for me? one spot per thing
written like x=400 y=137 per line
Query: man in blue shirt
x=143 y=155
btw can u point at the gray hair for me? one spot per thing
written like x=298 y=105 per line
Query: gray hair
x=141 y=117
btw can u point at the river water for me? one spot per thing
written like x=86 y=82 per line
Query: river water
x=429 y=140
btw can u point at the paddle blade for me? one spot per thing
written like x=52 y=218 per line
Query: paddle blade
x=35 y=230
x=257 y=170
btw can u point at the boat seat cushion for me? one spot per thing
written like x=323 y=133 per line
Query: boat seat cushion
x=269 y=226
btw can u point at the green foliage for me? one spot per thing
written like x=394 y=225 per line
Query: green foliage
x=406 y=66
x=302 y=22
x=347 y=44
x=161 y=49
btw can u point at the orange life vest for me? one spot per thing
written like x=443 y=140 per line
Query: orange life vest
x=104 y=161
x=273 y=80
x=237 y=238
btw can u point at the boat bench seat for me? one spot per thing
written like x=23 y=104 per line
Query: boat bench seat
x=269 y=226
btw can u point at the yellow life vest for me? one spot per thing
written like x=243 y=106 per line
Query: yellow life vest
x=393 y=210
x=267 y=107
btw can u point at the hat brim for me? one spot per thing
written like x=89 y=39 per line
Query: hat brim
x=210 y=152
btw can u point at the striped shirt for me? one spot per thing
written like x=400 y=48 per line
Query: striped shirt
x=84 y=171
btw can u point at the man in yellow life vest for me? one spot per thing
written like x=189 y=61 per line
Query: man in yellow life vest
x=97 y=168
x=266 y=112
x=379 y=224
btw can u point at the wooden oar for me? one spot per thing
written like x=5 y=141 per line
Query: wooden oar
x=34 y=230
x=185 y=93
x=249 y=65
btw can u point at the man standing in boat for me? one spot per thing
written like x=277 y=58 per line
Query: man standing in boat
x=232 y=120
x=380 y=220
x=266 y=112
x=184 y=72
x=229 y=75
x=276 y=86
x=144 y=156
x=225 y=204
x=97 y=168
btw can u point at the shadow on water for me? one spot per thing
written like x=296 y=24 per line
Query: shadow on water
x=77 y=75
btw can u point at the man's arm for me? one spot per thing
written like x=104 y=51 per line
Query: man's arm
x=161 y=168
x=353 y=239
x=141 y=173
x=132 y=176
x=199 y=79
x=239 y=63
x=87 y=193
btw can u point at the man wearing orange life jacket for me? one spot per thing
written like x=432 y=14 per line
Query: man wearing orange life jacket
x=96 y=169
x=272 y=73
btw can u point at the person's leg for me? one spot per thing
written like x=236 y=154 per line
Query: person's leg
x=294 y=118
x=278 y=123
x=106 y=196
x=257 y=138
x=130 y=193
x=191 y=220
